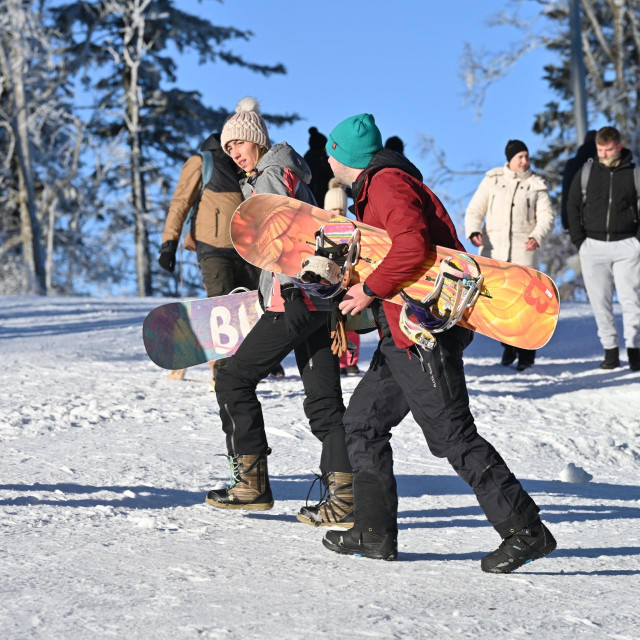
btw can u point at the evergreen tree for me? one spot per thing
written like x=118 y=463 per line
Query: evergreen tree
x=121 y=49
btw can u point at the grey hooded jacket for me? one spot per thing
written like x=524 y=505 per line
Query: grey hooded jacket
x=281 y=171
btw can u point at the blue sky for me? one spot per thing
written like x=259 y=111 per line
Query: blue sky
x=397 y=60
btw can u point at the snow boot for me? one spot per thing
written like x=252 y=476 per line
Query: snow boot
x=522 y=547
x=634 y=359
x=249 y=486
x=526 y=358
x=367 y=544
x=611 y=359
x=277 y=372
x=335 y=508
x=509 y=355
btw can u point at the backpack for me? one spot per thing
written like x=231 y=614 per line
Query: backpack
x=584 y=178
x=207 y=172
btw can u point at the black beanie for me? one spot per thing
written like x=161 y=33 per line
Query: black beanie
x=513 y=147
x=395 y=144
x=316 y=139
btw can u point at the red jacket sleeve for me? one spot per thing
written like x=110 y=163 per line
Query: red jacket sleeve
x=396 y=205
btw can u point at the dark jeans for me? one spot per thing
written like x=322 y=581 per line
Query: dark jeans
x=265 y=346
x=430 y=384
x=222 y=274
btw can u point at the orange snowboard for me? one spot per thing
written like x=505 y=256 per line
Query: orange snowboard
x=517 y=305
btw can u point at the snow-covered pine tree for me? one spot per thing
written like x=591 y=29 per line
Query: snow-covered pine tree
x=122 y=50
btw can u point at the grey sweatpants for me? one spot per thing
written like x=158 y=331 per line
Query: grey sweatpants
x=609 y=264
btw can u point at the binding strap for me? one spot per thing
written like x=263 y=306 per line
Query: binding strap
x=330 y=269
x=456 y=289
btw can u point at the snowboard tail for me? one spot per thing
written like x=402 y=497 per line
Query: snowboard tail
x=183 y=334
x=179 y=335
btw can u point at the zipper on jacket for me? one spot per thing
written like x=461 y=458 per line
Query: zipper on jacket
x=609 y=206
x=233 y=428
x=306 y=344
x=419 y=357
x=444 y=370
x=513 y=200
x=217 y=215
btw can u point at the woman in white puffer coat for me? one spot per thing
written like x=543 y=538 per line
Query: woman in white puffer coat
x=515 y=207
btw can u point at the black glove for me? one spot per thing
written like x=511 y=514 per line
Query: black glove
x=167 y=259
x=296 y=312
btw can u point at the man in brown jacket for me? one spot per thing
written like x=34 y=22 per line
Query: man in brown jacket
x=222 y=268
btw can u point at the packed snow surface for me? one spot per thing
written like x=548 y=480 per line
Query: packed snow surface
x=105 y=463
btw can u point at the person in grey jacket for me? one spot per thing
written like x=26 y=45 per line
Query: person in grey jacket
x=515 y=207
x=292 y=321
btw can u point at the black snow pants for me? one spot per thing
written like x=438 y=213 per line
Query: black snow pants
x=264 y=347
x=430 y=384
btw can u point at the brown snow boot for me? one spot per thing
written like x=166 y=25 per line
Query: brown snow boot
x=249 y=486
x=335 y=508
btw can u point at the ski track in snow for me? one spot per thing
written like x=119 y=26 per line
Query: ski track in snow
x=105 y=463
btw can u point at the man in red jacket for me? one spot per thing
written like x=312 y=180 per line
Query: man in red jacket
x=404 y=377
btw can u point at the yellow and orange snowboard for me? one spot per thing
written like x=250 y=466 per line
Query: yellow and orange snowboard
x=517 y=305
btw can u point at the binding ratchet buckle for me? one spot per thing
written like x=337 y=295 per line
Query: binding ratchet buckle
x=457 y=288
x=329 y=270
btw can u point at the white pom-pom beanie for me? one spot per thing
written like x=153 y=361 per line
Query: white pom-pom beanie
x=245 y=124
x=336 y=197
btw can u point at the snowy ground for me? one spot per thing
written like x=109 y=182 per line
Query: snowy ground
x=104 y=464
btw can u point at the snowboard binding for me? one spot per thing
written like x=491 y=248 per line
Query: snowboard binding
x=328 y=272
x=457 y=287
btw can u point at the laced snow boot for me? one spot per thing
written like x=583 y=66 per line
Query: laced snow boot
x=611 y=359
x=634 y=359
x=249 y=484
x=520 y=548
x=508 y=355
x=335 y=508
x=367 y=544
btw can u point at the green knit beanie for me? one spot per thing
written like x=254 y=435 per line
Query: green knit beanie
x=355 y=141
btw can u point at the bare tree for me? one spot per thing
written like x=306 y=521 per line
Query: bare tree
x=611 y=48
x=15 y=56
x=41 y=140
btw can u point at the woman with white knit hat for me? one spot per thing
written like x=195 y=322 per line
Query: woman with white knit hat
x=292 y=321
x=336 y=200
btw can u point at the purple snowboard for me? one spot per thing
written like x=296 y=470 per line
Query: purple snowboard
x=183 y=334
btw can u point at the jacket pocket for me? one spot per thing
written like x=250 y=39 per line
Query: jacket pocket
x=492 y=222
x=631 y=215
x=531 y=208
x=493 y=197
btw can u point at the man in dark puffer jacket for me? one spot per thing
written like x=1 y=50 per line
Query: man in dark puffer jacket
x=604 y=226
